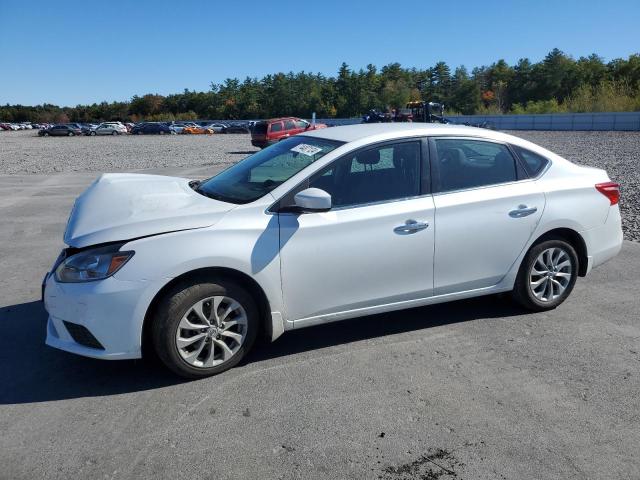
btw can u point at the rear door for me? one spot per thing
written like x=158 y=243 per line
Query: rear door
x=276 y=131
x=486 y=211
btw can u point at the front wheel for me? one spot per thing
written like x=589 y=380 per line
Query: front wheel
x=114 y=133
x=203 y=328
x=93 y=134
x=547 y=275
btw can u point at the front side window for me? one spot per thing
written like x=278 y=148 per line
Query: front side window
x=464 y=163
x=258 y=174
x=379 y=174
x=301 y=124
x=289 y=125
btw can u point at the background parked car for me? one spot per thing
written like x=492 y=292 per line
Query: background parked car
x=119 y=126
x=60 y=131
x=217 y=127
x=197 y=130
x=152 y=128
x=178 y=127
x=237 y=128
x=268 y=132
x=107 y=129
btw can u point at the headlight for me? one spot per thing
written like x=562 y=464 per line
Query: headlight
x=94 y=264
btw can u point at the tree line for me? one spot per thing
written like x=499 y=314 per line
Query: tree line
x=558 y=83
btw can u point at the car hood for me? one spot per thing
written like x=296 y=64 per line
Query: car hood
x=123 y=206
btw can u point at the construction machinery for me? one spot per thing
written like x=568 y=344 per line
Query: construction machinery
x=427 y=112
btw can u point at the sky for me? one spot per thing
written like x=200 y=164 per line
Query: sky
x=77 y=52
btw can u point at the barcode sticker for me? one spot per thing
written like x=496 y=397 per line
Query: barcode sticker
x=308 y=150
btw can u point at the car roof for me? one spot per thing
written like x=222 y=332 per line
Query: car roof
x=352 y=133
x=280 y=119
x=379 y=132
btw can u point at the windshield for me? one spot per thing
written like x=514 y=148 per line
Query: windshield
x=258 y=174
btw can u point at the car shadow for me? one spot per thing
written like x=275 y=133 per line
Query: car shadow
x=30 y=371
x=385 y=324
x=242 y=152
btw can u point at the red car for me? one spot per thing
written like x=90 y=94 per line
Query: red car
x=268 y=132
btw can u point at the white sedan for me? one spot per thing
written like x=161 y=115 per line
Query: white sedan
x=325 y=226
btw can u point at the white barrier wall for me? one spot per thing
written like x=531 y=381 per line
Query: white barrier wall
x=620 y=121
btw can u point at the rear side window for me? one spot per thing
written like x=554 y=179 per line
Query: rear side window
x=276 y=127
x=463 y=163
x=533 y=162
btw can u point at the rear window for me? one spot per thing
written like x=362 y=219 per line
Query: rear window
x=533 y=162
x=260 y=128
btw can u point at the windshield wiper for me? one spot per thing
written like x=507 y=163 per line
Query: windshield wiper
x=214 y=196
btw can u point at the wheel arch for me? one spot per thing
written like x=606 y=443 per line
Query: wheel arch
x=211 y=273
x=574 y=239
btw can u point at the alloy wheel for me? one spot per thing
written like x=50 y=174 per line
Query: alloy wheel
x=211 y=331
x=550 y=274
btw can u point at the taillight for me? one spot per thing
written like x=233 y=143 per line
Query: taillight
x=611 y=190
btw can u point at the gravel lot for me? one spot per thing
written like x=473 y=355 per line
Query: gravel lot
x=476 y=389
x=24 y=152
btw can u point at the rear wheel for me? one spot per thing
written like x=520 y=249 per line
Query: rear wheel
x=70 y=134
x=547 y=275
x=93 y=134
x=202 y=329
x=114 y=133
x=45 y=134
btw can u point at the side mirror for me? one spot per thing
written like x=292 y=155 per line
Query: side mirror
x=312 y=200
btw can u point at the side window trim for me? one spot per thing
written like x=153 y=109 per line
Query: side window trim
x=425 y=187
x=435 y=171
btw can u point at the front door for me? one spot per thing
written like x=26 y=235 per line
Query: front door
x=486 y=211
x=373 y=249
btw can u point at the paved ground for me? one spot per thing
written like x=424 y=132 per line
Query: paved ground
x=474 y=389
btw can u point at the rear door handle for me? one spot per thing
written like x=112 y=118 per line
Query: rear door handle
x=522 y=211
x=410 y=226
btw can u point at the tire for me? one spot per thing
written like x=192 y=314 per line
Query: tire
x=560 y=271
x=140 y=132
x=70 y=134
x=175 y=317
x=93 y=134
x=45 y=134
x=161 y=132
x=114 y=133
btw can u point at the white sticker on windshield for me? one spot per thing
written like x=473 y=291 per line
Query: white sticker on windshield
x=308 y=150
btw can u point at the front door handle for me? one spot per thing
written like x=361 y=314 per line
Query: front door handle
x=522 y=211
x=410 y=226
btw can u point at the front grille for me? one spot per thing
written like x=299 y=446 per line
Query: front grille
x=82 y=336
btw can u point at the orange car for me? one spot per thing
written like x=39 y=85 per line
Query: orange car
x=197 y=130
